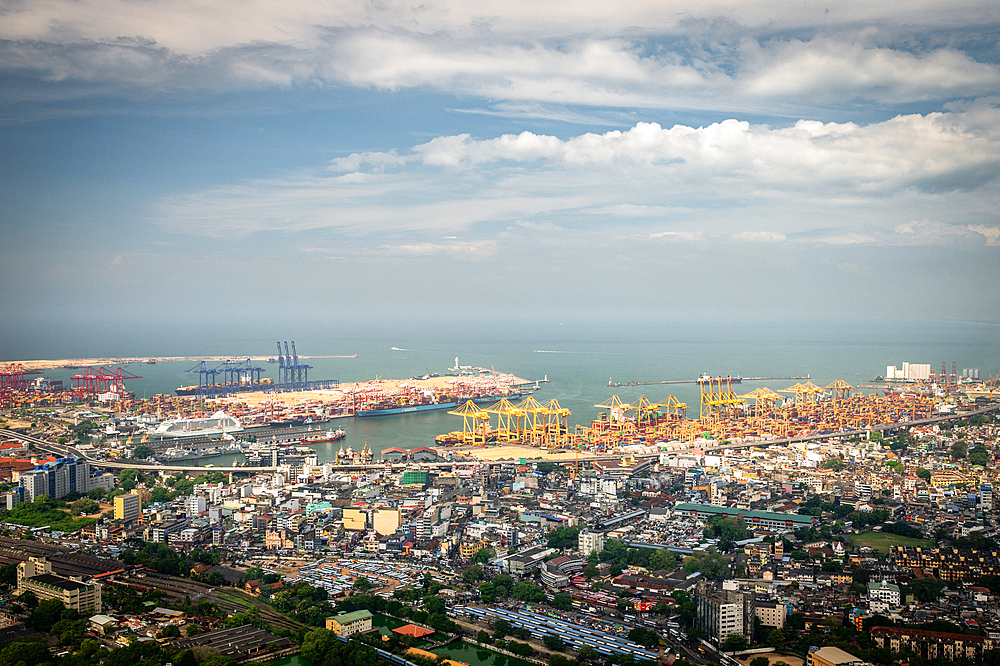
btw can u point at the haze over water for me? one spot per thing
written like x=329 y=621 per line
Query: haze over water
x=579 y=359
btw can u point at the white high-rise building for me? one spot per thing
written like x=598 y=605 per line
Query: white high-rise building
x=590 y=541
x=196 y=505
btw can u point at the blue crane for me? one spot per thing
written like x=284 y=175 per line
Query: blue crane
x=281 y=367
x=206 y=379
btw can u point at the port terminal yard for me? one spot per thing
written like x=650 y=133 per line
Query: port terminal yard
x=65 y=450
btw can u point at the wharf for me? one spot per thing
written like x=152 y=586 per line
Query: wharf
x=263 y=435
x=735 y=380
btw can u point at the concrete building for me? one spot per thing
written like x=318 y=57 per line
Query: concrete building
x=832 y=656
x=196 y=505
x=932 y=645
x=721 y=613
x=754 y=519
x=771 y=614
x=884 y=592
x=387 y=521
x=590 y=541
x=35 y=575
x=348 y=624
x=128 y=507
x=355 y=519
x=56 y=479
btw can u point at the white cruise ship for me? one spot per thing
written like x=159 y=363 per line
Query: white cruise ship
x=216 y=424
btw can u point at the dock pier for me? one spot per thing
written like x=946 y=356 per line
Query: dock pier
x=734 y=380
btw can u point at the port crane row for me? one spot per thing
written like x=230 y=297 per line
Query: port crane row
x=723 y=415
x=65 y=450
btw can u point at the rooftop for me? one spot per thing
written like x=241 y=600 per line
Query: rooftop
x=344 y=618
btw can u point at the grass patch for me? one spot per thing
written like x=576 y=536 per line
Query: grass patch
x=881 y=541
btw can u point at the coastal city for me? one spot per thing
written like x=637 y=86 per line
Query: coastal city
x=834 y=525
x=499 y=333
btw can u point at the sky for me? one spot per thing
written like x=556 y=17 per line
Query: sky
x=166 y=165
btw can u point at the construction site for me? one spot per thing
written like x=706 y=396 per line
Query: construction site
x=802 y=409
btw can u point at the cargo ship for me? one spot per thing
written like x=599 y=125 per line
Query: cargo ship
x=389 y=409
x=264 y=384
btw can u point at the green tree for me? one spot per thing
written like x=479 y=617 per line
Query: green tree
x=564 y=537
x=979 y=456
x=924 y=474
x=554 y=643
x=959 y=449
x=48 y=612
x=142 y=452
x=759 y=661
x=504 y=585
x=484 y=555
x=836 y=464
x=528 y=591
x=317 y=644
x=501 y=627
x=663 y=559
x=472 y=574
x=487 y=592
x=925 y=589
x=776 y=638
x=735 y=643
x=171 y=631
x=562 y=601
x=362 y=584
x=128 y=479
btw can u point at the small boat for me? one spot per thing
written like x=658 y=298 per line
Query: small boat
x=325 y=436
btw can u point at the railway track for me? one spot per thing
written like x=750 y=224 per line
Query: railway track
x=228 y=599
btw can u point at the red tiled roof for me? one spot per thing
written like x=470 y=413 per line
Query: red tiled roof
x=413 y=630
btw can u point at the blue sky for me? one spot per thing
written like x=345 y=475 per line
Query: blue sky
x=179 y=160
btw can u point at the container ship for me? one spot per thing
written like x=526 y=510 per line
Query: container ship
x=264 y=384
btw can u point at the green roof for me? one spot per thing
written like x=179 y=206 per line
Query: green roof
x=745 y=514
x=347 y=618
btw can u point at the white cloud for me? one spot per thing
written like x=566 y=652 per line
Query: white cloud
x=938 y=151
x=528 y=59
x=933 y=232
x=758 y=237
x=470 y=250
x=992 y=234
x=678 y=235
x=850 y=268
x=833 y=184
x=847 y=239
x=828 y=70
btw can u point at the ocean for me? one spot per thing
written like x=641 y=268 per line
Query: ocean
x=579 y=359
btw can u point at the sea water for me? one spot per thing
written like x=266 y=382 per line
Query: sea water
x=579 y=359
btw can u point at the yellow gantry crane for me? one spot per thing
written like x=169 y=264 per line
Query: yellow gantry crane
x=717 y=398
x=841 y=389
x=508 y=420
x=475 y=423
x=556 y=423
